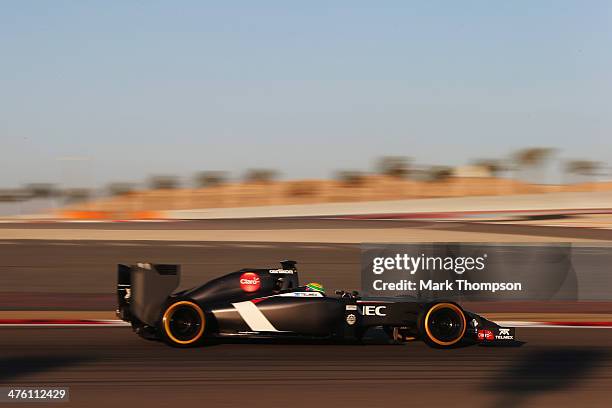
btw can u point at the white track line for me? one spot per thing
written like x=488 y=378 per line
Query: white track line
x=89 y=323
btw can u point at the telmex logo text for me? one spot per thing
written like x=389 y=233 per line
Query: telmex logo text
x=412 y=264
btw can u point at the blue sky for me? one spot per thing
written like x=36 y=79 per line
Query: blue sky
x=142 y=87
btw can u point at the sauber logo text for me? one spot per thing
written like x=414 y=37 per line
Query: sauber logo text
x=373 y=310
x=282 y=271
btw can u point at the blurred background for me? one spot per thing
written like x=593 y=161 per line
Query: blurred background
x=389 y=178
x=133 y=107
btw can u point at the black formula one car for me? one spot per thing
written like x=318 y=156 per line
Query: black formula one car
x=271 y=303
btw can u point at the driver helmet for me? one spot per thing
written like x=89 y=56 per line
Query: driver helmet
x=315 y=287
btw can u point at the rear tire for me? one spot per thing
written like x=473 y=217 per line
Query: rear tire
x=183 y=324
x=442 y=325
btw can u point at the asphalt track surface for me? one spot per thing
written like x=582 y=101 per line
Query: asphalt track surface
x=106 y=367
x=89 y=267
x=81 y=275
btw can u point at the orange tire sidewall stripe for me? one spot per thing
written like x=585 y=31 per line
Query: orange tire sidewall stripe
x=166 y=322
x=442 y=306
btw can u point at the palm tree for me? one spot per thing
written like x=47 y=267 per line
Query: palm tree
x=14 y=195
x=533 y=158
x=210 y=178
x=493 y=166
x=440 y=173
x=261 y=175
x=42 y=190
x=585 y=168
x=76 y=195
x=351 y=178
x=164 y=182
x=394 y=166
x=120 y=188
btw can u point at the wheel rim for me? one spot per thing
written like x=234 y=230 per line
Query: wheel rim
x=445 y=324
x=184 y=322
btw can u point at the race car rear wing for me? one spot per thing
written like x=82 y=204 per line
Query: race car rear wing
x=143 y=288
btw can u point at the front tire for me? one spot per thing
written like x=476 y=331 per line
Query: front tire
x=442 y=325
x=183 y=324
